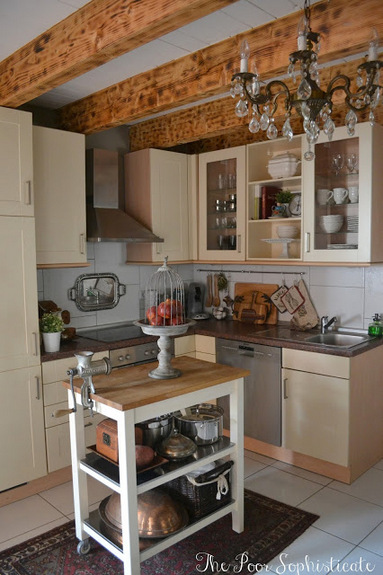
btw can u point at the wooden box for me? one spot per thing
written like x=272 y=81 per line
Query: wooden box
x=106 y=439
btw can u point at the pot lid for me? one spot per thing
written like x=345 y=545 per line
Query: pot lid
x=176 y=446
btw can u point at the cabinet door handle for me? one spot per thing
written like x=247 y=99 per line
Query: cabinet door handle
x=35 y=339
x=239 y=243
x=285 y=396
x=28 y=192
x=307 y=242
x=82 y=243
x=88 y=425
x=37 y=387
x=158 y=249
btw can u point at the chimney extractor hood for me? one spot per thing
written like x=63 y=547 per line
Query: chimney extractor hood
x=106 y=219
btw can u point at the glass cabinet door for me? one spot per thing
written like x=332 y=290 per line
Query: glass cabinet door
x=340 y=187
x=221 y=205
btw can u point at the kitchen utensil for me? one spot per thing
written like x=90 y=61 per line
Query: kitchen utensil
x=159 y=515
x=209 y=298
x=244 y=292
x=216 y=298
x=202 y=423
x=176 y=446
x=156 y=429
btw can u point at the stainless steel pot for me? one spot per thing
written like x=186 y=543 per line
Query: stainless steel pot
x=203 y=423
x=156 y=429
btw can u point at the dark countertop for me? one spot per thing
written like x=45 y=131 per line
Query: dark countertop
x=276 y=335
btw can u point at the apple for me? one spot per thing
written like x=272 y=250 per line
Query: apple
x=151 y=312
x=164 y=309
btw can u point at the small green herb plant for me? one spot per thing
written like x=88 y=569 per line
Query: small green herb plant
x=50 y=323
x=284 y=197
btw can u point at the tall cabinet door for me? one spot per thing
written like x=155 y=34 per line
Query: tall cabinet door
x=19 y=333
x=22 y=449
x=222 y=209
x=59 y=172
x=342 y=197
x=156 y=187
x=16 y=165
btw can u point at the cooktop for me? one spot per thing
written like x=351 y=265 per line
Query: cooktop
x=112 y=333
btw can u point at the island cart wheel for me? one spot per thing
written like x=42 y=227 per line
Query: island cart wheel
x=83 y=547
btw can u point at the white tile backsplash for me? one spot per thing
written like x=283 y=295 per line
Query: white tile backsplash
x=352 y=294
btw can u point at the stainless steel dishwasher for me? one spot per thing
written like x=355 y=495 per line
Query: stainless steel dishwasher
x=263 y=402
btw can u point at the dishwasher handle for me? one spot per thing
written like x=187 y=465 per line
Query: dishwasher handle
x=252 y=351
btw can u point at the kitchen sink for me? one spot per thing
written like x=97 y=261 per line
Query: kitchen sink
x=337 y=339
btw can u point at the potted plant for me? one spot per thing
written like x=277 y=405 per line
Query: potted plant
x=283 y=198
x=51 y=326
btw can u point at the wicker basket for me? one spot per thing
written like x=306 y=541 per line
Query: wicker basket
x=202 y=495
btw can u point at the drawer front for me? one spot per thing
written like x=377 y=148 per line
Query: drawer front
x=58 y=442
x=320 y=363
x=54 y=393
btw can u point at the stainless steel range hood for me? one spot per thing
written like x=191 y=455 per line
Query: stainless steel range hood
x=107 y=220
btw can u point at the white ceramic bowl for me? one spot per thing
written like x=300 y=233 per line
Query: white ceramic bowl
x=287 y=231
x=332 y=226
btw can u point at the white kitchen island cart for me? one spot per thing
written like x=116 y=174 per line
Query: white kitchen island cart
x=130 y=396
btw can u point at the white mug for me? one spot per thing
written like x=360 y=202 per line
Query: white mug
x=324 y=196
x=353 y=194
x=340 y=195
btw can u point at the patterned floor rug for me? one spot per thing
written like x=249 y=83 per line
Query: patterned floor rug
x=270 y=526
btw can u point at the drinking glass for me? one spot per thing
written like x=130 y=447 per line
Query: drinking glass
x=351 y=163
x=337 y=163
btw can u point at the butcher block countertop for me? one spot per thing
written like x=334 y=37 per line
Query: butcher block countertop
x=129 y=388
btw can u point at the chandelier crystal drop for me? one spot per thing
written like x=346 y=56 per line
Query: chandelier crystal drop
x=313 y=104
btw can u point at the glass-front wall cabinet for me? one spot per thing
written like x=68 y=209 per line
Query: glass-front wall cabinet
x=343 y=197
x=222 y=205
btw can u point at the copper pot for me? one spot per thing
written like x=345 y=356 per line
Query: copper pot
x=158 y=515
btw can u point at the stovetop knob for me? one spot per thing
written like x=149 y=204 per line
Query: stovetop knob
x=127 y=356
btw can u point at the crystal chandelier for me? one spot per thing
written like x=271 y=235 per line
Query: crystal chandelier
x=312 y=103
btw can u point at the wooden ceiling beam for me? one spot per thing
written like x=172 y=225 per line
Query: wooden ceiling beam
x=95 y=34
x=217 y=118
x=208 y=72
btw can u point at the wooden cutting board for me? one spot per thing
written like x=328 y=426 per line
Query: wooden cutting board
x=252 y=303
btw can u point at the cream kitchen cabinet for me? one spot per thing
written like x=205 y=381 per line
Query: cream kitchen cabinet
x=156 y=187
x=222 y=206
x=16 y=164
x=56 y=397
x=19 y=333
x=350 y=163
x=331 y=411
x=205 y=348
x=22 y=450
x=59 y=183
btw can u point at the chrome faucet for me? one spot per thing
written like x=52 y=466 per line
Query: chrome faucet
x=325 y=323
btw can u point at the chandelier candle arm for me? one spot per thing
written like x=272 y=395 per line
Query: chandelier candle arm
x=313 y=104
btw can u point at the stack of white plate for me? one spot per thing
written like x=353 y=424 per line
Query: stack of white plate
x=352 y=223
x=287 y=231
x=332 y=223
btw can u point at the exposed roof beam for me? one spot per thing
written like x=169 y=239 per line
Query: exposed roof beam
x=208 y=71
x=98 y=32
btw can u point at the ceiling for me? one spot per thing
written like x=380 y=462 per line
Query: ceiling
x=23 y=20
